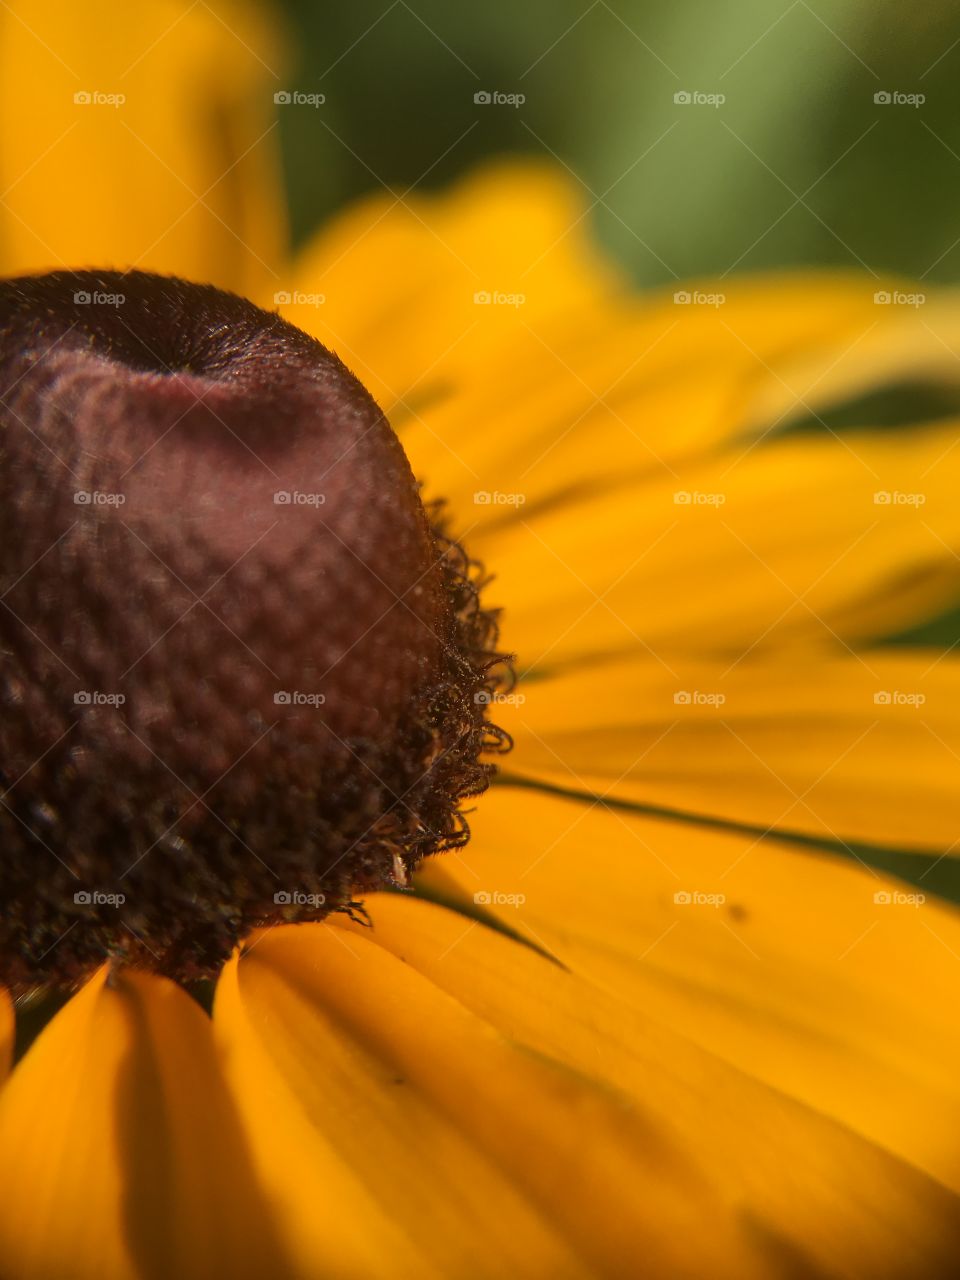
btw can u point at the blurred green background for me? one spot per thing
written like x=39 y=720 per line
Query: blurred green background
x=799 y=164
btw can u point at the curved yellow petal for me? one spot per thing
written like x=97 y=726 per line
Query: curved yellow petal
x=809 y=538
x=121 y=1154
x=829 y=983
x=851 y=747
x=152 y=146
x=406 y=1135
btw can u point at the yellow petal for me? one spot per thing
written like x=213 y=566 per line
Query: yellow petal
x=390 y=284
x=516 y=364
x=431 y=1026
x=786 y=1171
x=897 y=343
x=856 y=747
x=122 y=1157
x=830 y=983
x=808 y=538
x=401 y=1134
x=180 y=176
x=592 y=400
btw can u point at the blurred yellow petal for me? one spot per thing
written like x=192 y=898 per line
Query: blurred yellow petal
x=398 y=276
x=514 y=362
x=911 y=346
x=432 y=290
x=399 y=1133
x=140 y=135
x=122 y=1155
x=828 y=982
x=810 y=538
x=861 y=747
x=595 y=400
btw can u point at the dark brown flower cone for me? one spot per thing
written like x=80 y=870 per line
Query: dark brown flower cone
x=242 y=674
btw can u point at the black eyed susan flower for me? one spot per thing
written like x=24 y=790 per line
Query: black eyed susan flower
x=666 y=1013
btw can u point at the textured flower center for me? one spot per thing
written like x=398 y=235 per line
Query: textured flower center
x=243 y=673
